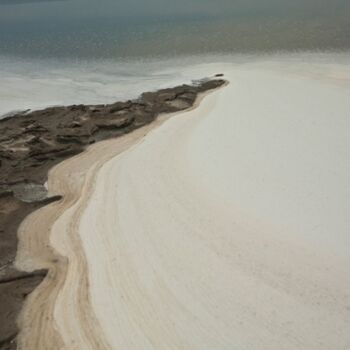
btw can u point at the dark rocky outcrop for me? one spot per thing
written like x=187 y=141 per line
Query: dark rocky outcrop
x=33 y=142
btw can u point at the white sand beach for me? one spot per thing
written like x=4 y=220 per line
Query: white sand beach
x=224 y=227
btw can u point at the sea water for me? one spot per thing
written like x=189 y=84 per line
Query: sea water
x=58 y=61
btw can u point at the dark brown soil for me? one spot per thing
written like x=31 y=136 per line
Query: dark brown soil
x=32 y=143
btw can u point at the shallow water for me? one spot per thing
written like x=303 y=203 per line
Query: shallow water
x=37 y=83
x=65 y=52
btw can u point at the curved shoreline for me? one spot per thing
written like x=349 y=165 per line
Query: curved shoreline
x=178 y=252
x=222 y=228
x=37 y=330
x=29 y=147
x=56 y=225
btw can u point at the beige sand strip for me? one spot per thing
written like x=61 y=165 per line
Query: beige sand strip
x=68 y=276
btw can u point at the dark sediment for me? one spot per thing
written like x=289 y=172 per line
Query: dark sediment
x=32 y=143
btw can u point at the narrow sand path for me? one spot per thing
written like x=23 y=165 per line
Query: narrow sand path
x=49 y=238
x=225 y=228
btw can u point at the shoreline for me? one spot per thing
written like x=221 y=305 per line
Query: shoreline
x=223 y=228
x=26 y=189
x=83 y=169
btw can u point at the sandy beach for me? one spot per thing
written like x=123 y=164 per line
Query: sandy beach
x=223 y=227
